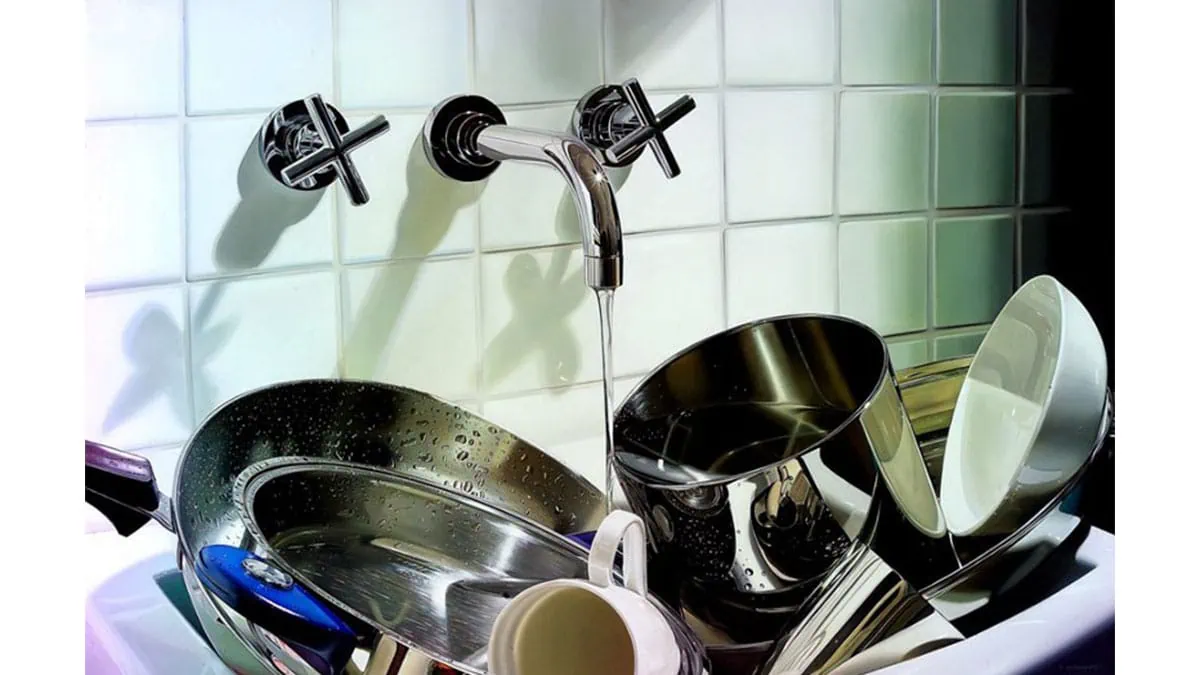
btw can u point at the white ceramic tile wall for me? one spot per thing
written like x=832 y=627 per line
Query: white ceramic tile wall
x=811 y=183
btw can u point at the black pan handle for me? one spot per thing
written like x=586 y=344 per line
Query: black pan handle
x=121 y=486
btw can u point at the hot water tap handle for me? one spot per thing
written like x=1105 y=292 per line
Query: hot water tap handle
x=306 y=145
x=619 y=123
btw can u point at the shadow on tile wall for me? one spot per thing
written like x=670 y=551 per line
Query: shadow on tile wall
x=421 y=224
x=153 y=342
x=541 y=305
x=266 y=209
x=263 y=213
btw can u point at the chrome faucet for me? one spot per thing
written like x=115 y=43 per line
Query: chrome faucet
x=466 y=137
x=306 y=145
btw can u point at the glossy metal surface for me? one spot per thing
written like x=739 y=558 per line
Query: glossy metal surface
x=409 y=558
x=595 y=202
x=466 y=137
x=929 y=393
x=306 y=145
x=395 y=428
x=864 y=600
x=381 y=425
x=861 y=602
x=619 y=122
x=757 y=455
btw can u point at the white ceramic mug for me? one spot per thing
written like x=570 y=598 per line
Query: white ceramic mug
x=592 y=627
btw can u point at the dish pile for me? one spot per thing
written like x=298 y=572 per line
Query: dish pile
x=794 y=507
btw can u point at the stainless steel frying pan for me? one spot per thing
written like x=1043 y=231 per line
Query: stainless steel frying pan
x=425 y=567
x=394 y=428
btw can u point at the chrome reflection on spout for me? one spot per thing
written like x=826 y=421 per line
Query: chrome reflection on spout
x=580 y=166
x=466 y=137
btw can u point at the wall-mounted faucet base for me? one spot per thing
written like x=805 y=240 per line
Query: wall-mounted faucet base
x=288 y=135
x=451 y=137
x=602 y=118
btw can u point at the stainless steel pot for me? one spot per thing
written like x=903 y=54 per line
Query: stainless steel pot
x=394 y=428
x=929 y=393
x=757 y=455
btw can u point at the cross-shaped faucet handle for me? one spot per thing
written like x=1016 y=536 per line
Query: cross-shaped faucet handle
x=306 y=145
x=619 y=122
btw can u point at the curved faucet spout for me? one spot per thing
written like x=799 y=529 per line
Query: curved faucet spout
x=578 y=163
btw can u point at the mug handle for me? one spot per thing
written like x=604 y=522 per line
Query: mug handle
x=620 y=528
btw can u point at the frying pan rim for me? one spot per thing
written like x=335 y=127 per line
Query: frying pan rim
x=184 y=541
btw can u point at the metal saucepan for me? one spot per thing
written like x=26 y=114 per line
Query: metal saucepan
x=929 y=393
x=757 y=455
x=390 y=427
x=424 y=566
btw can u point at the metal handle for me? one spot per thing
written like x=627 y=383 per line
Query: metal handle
x=619 y=122
x=306 y=145
x=121 y=486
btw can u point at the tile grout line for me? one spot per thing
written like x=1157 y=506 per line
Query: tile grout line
x=340 y=282
x=134 y=285
x=722 y=155
x=836 y=164
x=933 y=173
x=1018 y=262
x=477 y=254
x=953 y=90
x=189 y=378
x=338 y=267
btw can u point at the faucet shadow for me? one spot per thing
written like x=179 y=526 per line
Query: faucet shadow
x=542 y=305
x=265 y=211
x=421 y=225
x=154 y=344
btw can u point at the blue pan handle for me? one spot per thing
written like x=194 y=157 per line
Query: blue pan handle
x=583 y=539
x=274 y=601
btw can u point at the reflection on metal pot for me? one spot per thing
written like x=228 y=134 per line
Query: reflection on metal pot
x=757 y=455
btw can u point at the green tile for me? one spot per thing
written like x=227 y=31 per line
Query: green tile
x=887 y=41
x=908 y=353
x=978 y=41
x=883 y=152
x=883 y=269
x=973 y=269
x=1043 y=115
x=958 y=345
x=977 y=150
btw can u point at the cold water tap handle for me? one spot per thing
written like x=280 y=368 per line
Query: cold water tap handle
x=306 y=145
x=619 y=122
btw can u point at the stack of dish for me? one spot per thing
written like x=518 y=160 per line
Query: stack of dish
x=808 y=510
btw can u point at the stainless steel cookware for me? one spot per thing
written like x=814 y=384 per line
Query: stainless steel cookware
x=395 y=428
x=419 y=563
x=929 y=393
x=757 y=455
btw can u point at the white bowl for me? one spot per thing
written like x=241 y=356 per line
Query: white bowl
x=1029 y=412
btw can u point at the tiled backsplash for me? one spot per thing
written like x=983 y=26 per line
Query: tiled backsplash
x=867 y=157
